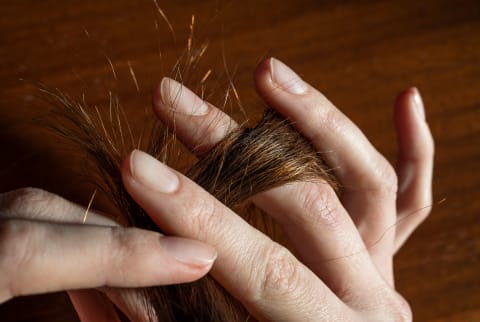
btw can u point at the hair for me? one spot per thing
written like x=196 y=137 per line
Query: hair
x=246 y=162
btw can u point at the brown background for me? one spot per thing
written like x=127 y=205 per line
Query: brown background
x=359 y=53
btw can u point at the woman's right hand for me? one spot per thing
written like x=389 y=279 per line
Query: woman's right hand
x=342 y=265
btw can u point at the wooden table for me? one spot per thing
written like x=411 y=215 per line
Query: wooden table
x=359 y=53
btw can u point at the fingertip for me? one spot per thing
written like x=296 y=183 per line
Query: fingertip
x=415 y=144
x=262 y=76
x=189 y=251
x=150 y=258
x=157 y=93
x=91 y=305
x=406 y=117
x=134 y=188
x=157 y=98
x=418 y=103
x=403 y=102
x=277 y=75
x=176 y=260
x=174 y=96
x=413 y=132
x=281 y=88
x=409 y=103
x=402 y=97
x=125 y=167
x=263 y=68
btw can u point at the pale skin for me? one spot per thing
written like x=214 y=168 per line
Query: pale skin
x=340 y=269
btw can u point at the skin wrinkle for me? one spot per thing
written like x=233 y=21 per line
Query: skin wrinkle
x=22 y=242
x=246 y=162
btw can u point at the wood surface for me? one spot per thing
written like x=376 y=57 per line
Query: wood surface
x=360 y=54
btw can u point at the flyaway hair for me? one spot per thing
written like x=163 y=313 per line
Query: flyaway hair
x=246 y=162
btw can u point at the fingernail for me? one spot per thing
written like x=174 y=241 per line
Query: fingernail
x=189 y=251
x=417 y=99
x=286 y=78
x=179 y=98
x=152 y=173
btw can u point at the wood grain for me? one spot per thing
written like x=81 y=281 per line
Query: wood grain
x=360 y=54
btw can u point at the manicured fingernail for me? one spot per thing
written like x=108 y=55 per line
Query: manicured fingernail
x=179 y=98
x=152 y=173
x=189 y=251
x=418 y=103
x=286 y=78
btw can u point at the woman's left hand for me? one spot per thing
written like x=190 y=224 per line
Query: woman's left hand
x=47 y=244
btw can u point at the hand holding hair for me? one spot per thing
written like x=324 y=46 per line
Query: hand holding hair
x=45 y=246
x=341 y=268
x=339 y=265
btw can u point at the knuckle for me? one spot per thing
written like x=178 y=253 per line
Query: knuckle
x=320 y=206
x=404 y=311
x=216 y=127
x=317 y=109
x=392 y=306
x=16 y=249
x=315 y=101
x=334 y=120
x=122 y=244
x=31 y=201
x=119 y=251
x=16 y=241
x=281 y=274
x=328 y=116
x=398 y=309
x=201 y=215
x=385 y=178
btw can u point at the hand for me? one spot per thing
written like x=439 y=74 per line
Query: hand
x=45 y=246
x=344 y=247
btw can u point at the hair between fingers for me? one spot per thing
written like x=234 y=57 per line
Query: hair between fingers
x=246 y=162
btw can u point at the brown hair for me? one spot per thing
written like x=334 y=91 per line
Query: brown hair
x=246 y=162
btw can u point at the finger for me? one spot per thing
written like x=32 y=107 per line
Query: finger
x=92 y=306
x=324 y=236
x=132 y=303
x=38 y=204
x=414 y=164
x=98 y=304
x=264 y=276
x=311 y=214
x=369 y=182
x=200 y=124
x=83 y=256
